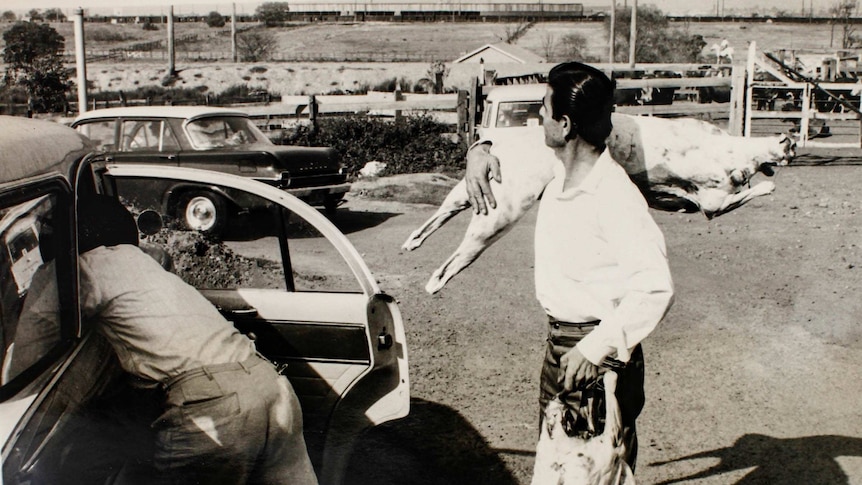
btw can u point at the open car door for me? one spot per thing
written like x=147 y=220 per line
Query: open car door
x=292 y=282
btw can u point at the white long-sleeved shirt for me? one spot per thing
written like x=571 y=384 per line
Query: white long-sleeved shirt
x=600 y=256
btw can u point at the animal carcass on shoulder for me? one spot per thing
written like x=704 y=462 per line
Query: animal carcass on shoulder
x=678 y=164
x=690 y=165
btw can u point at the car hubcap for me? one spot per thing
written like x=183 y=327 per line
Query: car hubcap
x=201 y=214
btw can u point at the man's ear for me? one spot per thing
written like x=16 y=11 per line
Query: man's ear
x=567 y=127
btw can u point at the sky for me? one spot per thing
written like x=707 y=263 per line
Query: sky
x=671 y=7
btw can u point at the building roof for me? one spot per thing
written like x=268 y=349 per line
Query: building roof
x=515 y=53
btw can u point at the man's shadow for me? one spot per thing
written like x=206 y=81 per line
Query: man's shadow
x=792 y=460
x=433 y=445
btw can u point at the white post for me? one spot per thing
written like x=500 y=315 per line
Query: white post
x=806 y=113
x=749 y=90
x=233 y=52
x=633 y=35
x=81 y=60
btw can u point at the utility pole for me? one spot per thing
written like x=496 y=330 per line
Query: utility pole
x=633 y=34
x=233 y=53
x=612 y=40
x=81 y=60
x=172 y=67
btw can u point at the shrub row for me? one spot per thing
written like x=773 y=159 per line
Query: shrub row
x=414 y=144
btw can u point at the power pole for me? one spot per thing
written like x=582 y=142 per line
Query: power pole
x=81 y=60
x=612 y=40
x=172 y=67
x=233 y=52
x=633 y=34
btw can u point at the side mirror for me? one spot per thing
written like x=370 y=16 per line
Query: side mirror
x=150 y=222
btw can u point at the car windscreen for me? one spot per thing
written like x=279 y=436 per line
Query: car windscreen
x=223 y=131
x=519 y=113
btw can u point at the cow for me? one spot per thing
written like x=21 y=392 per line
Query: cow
x=570 y=460
x=680 y=164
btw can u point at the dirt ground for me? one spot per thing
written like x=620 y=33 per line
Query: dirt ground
x=752 y=378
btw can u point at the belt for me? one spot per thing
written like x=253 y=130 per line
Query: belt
x=560 y=323
x=209 y=370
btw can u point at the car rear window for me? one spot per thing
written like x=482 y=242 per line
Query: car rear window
x=222 y=131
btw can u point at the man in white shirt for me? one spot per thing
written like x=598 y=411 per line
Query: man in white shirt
x=601 y=267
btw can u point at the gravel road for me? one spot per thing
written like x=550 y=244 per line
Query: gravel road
x=752 y=378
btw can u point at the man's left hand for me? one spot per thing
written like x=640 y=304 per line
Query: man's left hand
x=576 y=370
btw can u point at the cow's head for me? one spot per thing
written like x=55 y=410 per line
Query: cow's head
x=780 y=154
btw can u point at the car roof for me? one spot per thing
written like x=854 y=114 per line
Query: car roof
x=518 y=92
x=184 y=112
x=31 y=147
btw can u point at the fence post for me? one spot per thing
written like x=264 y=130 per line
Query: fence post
x=473 y=108
x=462 y=108
x=806 y=113
x=749 y=87
x=398 y=97
x=312 y=113
x=738 y=103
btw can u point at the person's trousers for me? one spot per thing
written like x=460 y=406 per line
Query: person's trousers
x=232 y=423
x=588 y=399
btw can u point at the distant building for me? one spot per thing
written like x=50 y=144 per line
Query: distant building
x=499 y=54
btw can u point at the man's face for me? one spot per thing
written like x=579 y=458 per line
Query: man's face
x=555 y=136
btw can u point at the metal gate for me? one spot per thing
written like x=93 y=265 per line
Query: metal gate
x=825 y=113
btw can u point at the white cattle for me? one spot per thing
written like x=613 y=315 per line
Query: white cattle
x=569 y=460
x=681 y=164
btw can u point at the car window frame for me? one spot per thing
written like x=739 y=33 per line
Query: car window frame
x=351 y=256
x=66 y=269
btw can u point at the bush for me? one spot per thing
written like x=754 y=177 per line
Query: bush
x=420 y=143
x=388 y=85
x=215 y=19
x=150 y=26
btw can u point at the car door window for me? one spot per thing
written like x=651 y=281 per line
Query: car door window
x=264 y=246
x=29 y=302
x=101 y=133
x=147 y=135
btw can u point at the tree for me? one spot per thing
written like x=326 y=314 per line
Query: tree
x=35 y=15
x=549 y=46
x=54 y=15
x=33 y=57
x=9 y=16
x=215 y=19
x=256 y=45
x=574 y=47
x=843 y=11
x=656 y=40
x=272 y=13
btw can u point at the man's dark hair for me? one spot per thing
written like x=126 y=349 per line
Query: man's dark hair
x=104 y=221
x=586 y=95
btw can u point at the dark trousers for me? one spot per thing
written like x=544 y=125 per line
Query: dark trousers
x=562 y=337
x=230 y=424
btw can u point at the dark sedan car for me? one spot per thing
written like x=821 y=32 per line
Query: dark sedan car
x=216 y=139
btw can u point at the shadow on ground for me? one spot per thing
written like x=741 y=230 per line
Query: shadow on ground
x=811 y=159
x=793 y=460
x=434 y=445
x=253 y=225
x=348 y=221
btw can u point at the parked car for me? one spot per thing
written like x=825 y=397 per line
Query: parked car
x=510 y=107
x=217 y=139
x=292 y=282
